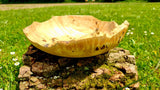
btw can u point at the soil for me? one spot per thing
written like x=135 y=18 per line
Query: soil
x=24 y=6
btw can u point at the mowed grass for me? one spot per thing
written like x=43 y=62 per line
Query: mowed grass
x=142 y=39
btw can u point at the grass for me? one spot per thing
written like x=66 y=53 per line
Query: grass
x=143 y=17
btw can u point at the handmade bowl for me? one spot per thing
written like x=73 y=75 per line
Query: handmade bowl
x=75 y=35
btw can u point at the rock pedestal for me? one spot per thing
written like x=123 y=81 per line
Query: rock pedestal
x=112 y=70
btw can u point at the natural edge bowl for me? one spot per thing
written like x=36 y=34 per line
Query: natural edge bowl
x=75 y=35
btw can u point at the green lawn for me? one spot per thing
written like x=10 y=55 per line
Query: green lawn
x=142 y=39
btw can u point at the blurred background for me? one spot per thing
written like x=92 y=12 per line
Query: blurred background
x=70 y=1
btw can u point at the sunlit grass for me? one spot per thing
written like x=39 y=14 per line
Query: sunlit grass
x=142 y=38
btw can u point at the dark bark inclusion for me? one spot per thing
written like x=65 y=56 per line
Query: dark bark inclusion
x=103 y=47
x=97 y=48
x=44 y=40
x=106 y=46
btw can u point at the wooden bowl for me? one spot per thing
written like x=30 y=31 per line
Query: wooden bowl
x=75 y=35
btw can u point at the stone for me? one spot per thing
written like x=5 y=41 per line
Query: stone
x=34 y=81
x=64 y=61
x=97 y=72
x=127 y=68
x=135 y=86
x=41 y=86
x=25 y=72
x=106 y=71
x=27 y=60
x=44 y=69
x=100 y=71
x=116 y=77
x=24 y=85
x=57 y=82
x=131 y=59
x=37 y=68
x=111 y=70
x=118 y=55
